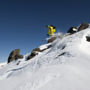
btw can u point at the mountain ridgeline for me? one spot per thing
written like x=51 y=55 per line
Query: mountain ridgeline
x=63 y=63
x=15 y=54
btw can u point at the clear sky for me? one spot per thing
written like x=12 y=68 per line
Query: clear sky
x=22 y=22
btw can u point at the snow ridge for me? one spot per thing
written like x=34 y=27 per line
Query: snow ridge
x=64 y=66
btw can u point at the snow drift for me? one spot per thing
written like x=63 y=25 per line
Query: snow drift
x=64 y=66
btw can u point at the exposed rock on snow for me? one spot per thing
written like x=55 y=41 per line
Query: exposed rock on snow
x=83 y=26
x=38 y=50
x=72 y=30
x=51 y=39
x=14 y=55
x=88 y=38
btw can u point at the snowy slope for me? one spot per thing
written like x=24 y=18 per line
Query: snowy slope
x=2 y=64
x=65 y=66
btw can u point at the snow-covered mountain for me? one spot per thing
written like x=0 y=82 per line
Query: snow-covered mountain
x=64 y=66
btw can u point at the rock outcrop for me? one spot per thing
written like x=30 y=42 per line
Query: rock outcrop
x=14 y=55
x=72 y=30
x=83 y=26
x=36 y=51
x=33 y=53
x=88 y=38
x=51 y=39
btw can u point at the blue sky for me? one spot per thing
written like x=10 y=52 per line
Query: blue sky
x=22 y=22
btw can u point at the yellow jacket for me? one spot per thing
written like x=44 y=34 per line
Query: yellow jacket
x=51 y=30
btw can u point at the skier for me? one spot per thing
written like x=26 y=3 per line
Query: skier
x=51 y=30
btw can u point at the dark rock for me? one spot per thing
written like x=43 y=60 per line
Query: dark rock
x=33 y=54
x=63 y=47
x=62 y=54
x=36 y=51
x=51 y=39
x=49 y=46
x=18 y=62
x=14 y=55
x=83 y=26
x=88 y=38
x=72 y=30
